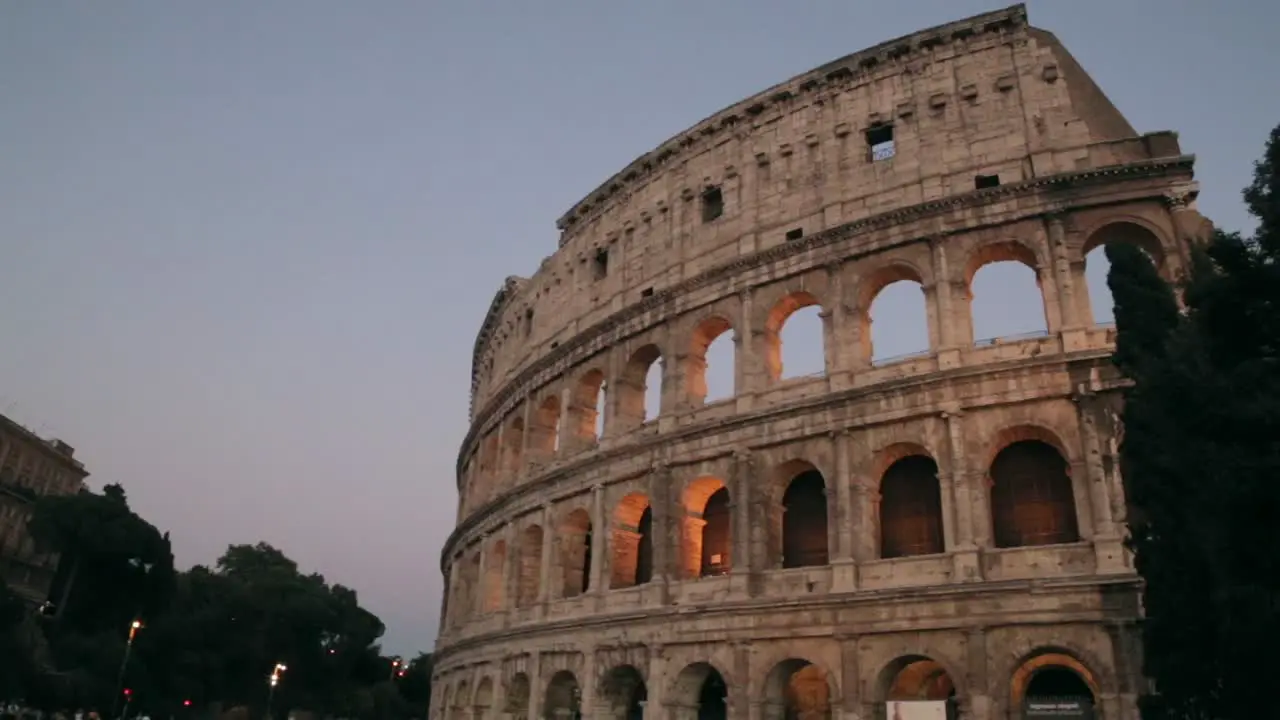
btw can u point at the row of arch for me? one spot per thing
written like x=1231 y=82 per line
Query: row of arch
x=1030 y=492
x=646 y=384
x=795 y=687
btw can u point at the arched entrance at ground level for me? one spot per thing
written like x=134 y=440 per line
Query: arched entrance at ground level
x=915 y=679
x=624 y=693
x=517 y=700
x=700 y=692
x=1053 y=685
x=563 y=700
x=796 y=689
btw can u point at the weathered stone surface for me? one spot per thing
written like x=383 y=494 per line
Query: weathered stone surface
x=943 y=524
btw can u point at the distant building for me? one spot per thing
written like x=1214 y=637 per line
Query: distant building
x=30 y=466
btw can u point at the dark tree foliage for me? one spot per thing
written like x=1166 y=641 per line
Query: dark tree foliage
x=210 y=636
x=1201 y=461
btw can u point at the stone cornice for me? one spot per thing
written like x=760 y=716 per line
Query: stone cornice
x=615 y=327
x=848 y=71
x=831 y=601
x=808 y=404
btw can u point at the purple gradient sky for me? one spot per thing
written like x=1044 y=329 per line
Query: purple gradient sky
x=245 y=246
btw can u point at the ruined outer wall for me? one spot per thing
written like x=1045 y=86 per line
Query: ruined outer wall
x=988 y=95
x=546 y=606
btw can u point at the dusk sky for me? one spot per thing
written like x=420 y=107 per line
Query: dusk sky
x=245 y=246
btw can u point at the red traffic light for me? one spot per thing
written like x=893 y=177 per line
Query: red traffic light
x=186 y=703
x=127 y=692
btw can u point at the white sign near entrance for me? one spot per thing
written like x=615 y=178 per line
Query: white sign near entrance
x=916 y=710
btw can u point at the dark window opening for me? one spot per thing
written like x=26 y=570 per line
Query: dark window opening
x=880 y=142
x=528 y=322
x=586 y=560
x=555 y=344
x=647 y=292
x=712 y=204
x=644 y=550
x=795 y=234
x=600 y=266
x=982 y=182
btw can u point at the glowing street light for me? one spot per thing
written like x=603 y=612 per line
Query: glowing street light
x=134 y=627
x=272 y=680
x=395 y=666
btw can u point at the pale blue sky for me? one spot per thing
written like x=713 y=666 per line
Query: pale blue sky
x=245 y=246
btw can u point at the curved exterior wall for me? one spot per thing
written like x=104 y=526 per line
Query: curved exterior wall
x=944 y=525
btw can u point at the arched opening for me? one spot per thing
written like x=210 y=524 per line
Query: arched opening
x=588 y=406
x=709 y=368
x=638 y=401
x=1006 y=300
x=513 y=439
x=653 y=390
x=795 y=343
x=575 y=535
x=706 y=532
x=544 y=435
x=495 y=561
x=1032 y=501
x=624 y=692
x=517 y=700
x=461 y=702
x=910 y=508
x=563 y=699
x=895 y=296
x=529 y=571
x=1098 y=307
x=632 y=536
x=916 y=686
x=1052 y=682
x=804 y=517
x=700 y=686
x=483 y=698
x=796 y=689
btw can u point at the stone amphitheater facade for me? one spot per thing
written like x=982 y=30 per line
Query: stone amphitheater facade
x=944 y=526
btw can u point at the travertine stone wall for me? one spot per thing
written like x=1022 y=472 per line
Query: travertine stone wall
x=943 y=526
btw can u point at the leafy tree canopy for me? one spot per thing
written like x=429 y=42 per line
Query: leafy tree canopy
x=1201 y=461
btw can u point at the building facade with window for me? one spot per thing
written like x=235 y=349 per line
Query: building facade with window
x=938 y=534
x=30 y=466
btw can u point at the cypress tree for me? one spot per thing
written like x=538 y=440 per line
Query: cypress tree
x=1201 y=462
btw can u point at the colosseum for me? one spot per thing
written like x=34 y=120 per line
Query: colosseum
x=936 y=535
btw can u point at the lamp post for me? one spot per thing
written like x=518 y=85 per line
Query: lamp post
x=395 y=665
x=134 y=627
x=272 y=680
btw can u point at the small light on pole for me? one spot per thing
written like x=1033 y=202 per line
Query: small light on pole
x=272 y=680
x=395 y=666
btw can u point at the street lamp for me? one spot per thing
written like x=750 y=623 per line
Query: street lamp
x=272 y=680
x=395 y=665
x=134 y=627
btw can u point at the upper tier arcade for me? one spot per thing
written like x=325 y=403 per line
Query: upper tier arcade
x=986 y=101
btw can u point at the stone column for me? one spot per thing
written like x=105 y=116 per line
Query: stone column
x=566 y=437
x=969 y=503
x=522 y=463
x=740 y=523
x=865 y=502
x=738 y=702
x=758 y=500
x=834 y=326
x=510 y=567
x=613 y=371
x=978 y=699
x=746 y=360
x=662 y=528
x=549 y=538
x=599 y=533
x=482 y=582
x=1060 y=263
x=850 y=696
x=537 y=693
x=950 y=327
